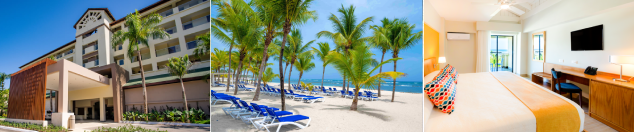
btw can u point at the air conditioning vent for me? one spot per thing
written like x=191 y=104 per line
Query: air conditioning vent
x=458 y=36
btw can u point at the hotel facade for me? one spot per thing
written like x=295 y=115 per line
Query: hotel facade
x=93 y=80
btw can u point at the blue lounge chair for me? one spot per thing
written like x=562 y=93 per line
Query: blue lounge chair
x=313 y=99
x=282 y=121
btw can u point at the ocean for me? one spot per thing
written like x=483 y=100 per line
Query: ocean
x=401 y=86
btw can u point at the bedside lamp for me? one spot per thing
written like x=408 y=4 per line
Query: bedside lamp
x=620 y=60
x=441 y=60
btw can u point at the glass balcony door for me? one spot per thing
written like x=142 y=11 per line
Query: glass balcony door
x=501 y=53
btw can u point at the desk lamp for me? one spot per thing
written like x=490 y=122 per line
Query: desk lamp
x=620 y=60
x=441 y=60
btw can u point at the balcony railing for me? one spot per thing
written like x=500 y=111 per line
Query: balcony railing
x=168 y=50
x=91 y=64
x=192 y=44
x=171 y=30
x=91 y=49
x=69 y=52
x=143 y=57
x=90 y=33
x=59 y=56
x=167 y=13
x=196 y=22
x=190 y=4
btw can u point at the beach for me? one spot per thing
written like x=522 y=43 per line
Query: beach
x=404 y=114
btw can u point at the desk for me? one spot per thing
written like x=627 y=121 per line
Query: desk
x=611 y=102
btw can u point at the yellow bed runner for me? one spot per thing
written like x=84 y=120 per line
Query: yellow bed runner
x=553 y=114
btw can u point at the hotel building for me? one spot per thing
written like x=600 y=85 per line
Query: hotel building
x=93 y=80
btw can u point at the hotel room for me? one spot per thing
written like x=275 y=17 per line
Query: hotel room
x=528 y=65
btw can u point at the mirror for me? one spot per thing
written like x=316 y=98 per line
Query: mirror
x=539 y=44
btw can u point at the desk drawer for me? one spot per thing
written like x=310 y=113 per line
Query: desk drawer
x=612 y=105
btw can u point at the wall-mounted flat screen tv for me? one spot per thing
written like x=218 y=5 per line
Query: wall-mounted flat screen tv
x=587 y=39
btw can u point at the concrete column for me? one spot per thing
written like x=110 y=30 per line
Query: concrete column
x=85 y=113
x=102 y=109
x=61 y=117
x=179 y=24
x=93 y=112
x=104 y=51
x=182 y=43
x=154 y=66
x=78 y=58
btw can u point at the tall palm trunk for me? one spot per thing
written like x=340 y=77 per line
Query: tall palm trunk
x=355 y=100
x=265 y=58
x=286 y=68
x=287 y=29
x=138 y=52
x=300 y=77
x=237 y=81
x=289 y=74
x=381 y=70
x=395 y=55
x=322 y=76
x=344 y=85
x=184 y=99
x=229 y=71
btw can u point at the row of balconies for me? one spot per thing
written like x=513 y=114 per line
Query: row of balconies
x=196 y=22
x=90 y=49
x=161 y=52
x=181 y=7
x=71 y=51
x=91 y=63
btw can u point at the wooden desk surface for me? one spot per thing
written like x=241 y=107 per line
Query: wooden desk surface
x=601 y=78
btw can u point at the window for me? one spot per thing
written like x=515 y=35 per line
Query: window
x=192 y=44
x=121 y=62
x=120 y=47
x=539 y=45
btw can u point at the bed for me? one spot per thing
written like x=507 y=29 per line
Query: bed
x=502 y=101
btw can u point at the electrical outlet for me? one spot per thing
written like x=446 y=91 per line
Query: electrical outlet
x=561 y=60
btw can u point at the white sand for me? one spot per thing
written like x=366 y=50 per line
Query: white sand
x=405 y=114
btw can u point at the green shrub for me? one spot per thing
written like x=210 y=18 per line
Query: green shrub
x=202 y=122
x=166 y=113
x=126 y=128
x=35 y=127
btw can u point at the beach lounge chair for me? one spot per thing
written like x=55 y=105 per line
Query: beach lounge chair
x=326 y=93
x=220 y=84
x=231 y=108
x=301 y=97
x=215 y=97
x=349 y=95
x=313 y=99
x=287 y=120
x=370 y=96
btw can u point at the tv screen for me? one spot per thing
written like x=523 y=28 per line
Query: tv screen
x=587 y=39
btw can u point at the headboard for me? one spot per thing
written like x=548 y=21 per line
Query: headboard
x=429 y=65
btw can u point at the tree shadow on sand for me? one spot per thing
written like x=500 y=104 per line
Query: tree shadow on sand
x=363 y=110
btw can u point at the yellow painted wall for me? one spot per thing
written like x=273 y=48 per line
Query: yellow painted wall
x=431 y=42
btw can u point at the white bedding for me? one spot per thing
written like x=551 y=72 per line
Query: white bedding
x=482 y=104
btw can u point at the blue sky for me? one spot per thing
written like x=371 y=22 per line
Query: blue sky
x=31 y=29
x=411 y=64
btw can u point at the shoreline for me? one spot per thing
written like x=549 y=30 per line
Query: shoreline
x=389 y=89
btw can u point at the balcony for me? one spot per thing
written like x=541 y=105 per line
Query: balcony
x=196 y=22
x=168 y=50
x=69 y=52
x=90 y=33
x=192 y=44
x=90 y=49
x=171 y=30
x=143 y=57
x=91 y=64
x=190 y=4
x=167 y=13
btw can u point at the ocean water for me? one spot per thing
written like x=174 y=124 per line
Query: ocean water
x=401 y=86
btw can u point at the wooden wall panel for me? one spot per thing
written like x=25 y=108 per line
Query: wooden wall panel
x=612 y=105
x=27 y=94
x=431 y=46
x=430 y=65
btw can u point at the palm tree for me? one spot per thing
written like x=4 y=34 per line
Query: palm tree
x=402 y=37
x=347 y=34
x=178 y=66
x=268 y=75
x=218 y=59
x=139 y=29
x=203 y=48
x=304 y=64
x=322 y=53
x=271 y=18
x=380 y=41
x=3 y=76
x=356 y=64
x=271 y=49
x=238 y=20
x=296 y=48
x=294 y=13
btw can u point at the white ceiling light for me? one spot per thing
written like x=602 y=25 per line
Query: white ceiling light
x=504 y=6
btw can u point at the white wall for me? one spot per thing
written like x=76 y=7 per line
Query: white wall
x=560 y=19
x=436 y=22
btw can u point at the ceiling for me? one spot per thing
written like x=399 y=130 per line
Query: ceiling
x=75 y=82
x=484 y=10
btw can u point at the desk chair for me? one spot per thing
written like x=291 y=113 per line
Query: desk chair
x=565 y=87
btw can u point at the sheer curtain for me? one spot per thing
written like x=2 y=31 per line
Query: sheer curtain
x=482 y=58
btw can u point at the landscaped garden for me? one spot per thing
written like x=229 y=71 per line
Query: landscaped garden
x=35 y=127
x=168 y=114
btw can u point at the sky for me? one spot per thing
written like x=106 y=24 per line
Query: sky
x=412 y=10
x=31 y=29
